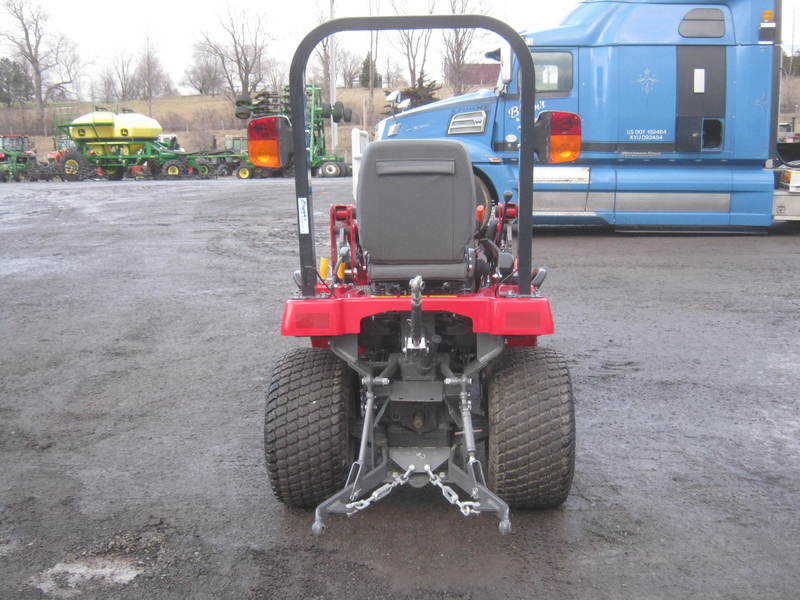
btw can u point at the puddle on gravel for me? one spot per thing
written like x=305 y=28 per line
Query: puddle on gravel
x=69 y=579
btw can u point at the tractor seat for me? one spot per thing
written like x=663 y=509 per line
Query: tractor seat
x=415 y=202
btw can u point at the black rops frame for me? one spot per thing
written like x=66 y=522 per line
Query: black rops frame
x=305 y=207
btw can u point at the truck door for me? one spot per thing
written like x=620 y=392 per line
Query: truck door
x=700 y=118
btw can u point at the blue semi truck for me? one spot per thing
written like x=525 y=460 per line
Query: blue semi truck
x=679 y=104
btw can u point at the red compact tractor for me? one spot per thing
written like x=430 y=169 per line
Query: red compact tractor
x=424 y=365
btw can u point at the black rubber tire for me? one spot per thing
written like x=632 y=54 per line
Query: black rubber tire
x=75 y=167
x=347 y=115
x=329 y=169
x=326 y=110
x=307 y=441
x=531 y=453
x=114 y=173
x=243 y=100
x=174 y=168
x=337 y=112
x=223 y=170
x=204 y=168
x=242 y=112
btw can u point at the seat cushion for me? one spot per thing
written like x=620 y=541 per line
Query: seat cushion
x=415 y=202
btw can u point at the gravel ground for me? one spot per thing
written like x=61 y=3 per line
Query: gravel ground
x=139 y=323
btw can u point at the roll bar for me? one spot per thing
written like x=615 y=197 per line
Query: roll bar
x=305 y=208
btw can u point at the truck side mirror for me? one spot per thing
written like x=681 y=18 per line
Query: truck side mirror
x=557 y=136
x=393 y=97
x=505 y=64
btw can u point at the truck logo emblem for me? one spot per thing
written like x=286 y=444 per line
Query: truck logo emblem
x=647 y=80
x=513 y=112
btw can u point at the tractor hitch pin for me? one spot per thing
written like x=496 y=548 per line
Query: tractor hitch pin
x=416 y=339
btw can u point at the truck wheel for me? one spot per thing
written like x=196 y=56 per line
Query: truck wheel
x=347 y=115
x=329 y=169
x=307 y=441
x=243 y=100
x=244 y=173
x=75 y=167
x=174 y=168
x=531 y=428
x=326 y=110
x=113 y=173
x=223 y=171
x=483 y=197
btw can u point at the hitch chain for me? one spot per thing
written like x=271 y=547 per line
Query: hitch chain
x=380 y=492
x=467 y=508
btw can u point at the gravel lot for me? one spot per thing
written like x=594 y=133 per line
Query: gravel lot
x=139 y=323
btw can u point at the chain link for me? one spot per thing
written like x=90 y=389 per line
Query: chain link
x=467 y=507
x=380 y=492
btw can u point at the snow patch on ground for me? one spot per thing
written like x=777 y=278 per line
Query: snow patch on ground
x=7 y=547
x=65 y=580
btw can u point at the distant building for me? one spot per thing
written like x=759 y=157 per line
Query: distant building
x=481 y=74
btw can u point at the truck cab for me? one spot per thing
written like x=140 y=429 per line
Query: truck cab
x=678 y=103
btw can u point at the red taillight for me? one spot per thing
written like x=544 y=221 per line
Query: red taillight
x=564 y=123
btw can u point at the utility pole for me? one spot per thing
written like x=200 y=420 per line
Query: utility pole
x=332 y=91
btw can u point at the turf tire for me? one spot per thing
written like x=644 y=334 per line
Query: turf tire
x=306 y=432
x=531 y=428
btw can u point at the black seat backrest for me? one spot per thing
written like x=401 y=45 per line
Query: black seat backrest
x=415 y=203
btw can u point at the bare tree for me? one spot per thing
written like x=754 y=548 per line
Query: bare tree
x=413 y=44
x=108 y=91
x=204 y=75
x=349 y=67
x=457 y=43
x=393 y=74
x=51 y=58
x=276 y=74
x=321 y=71
x=125 y=73
x=151 y=78
x=242 y=52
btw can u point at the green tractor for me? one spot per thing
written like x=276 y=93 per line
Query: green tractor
x=17 y=159
x=267 y=104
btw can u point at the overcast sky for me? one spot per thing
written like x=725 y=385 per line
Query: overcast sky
x=174 y=25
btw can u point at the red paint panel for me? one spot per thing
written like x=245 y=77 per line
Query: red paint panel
x=490 y=314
